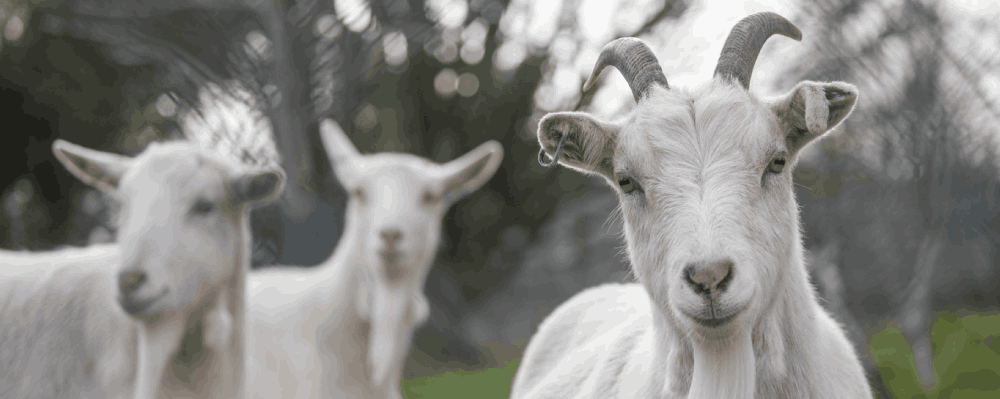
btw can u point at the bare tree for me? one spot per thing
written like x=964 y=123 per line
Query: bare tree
x=914 y=202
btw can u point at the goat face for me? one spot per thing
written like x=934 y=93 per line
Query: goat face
x=180 y=227
x=704 y=182
x=395 y=208
x=400 y=199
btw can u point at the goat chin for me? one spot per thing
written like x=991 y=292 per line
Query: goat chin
x=724 y=369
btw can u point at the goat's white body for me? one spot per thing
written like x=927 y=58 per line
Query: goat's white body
x=602 y=344
x=63 y=335
x=307 y=339
x=309 y=335
x=343 y=329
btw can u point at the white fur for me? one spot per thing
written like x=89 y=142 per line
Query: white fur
x=184 y=226
x=343 y=329
x=701 y=158
x=63 y=334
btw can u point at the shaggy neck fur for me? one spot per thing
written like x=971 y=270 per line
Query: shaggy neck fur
x=770 y=359
x=202 y=348
x=344 y=293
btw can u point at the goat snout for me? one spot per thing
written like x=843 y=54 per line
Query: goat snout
x=391 y=236
x=130 y=281
x=709 y=278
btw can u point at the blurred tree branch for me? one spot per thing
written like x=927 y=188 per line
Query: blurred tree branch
x=115 y=23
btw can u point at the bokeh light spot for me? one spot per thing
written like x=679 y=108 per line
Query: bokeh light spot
x=448 y=13
x=395 y=47
x=509 y=56
x=14 y=29
x=328 y=27
x=354 y=13
x=446 y=83
x=454 y=14
x=259 y=43
x=446 y=52
x=476 y=32
x=366 y=118
x=468 y=85
x=472 y=53
x=166 y=105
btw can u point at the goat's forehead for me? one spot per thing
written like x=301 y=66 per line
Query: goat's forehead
x=403 y=168
x=178 y=167
x=715 y=122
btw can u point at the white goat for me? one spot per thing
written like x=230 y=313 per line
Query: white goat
x=343 y=329
x=62 y=334
x=723 y=307
x=183 y=255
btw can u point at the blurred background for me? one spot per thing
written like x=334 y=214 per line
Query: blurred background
x=899 y=205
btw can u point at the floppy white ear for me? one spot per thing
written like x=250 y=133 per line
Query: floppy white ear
x=470 y=171
x=99 y=169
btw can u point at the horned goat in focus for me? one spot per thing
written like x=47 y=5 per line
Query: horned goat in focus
x=723 y=307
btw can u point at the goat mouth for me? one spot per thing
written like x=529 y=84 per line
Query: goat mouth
x=712 y=316
x=713 y=321
x=137 y=307
x=390 y=257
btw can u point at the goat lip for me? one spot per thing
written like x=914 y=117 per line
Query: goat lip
x=390 y=257
x=136 y=307
x=714 y=319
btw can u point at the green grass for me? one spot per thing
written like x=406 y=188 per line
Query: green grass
x=485 y=384
x=966 y=359
x=966 y=366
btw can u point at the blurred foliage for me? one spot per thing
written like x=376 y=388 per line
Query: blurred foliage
x=491 y=383
x=966 y=359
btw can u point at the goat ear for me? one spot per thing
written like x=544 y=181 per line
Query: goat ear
x=590 y=146
x=99 y=169
x=259 y=187
x=340 y=151
x=470 y=171
x=812 y=109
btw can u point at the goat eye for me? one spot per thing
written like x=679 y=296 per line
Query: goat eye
x=430 y=198
x=202 y=208
x=776 y=165
x=359 y=194
x=628 y=184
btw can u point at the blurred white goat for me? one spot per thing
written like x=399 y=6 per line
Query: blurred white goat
x=63 y=335
x=179 y=267
x=343 y=329
x=184 y=254
x=723 y=307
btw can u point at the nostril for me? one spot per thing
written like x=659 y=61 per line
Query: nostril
x=129 y=282
x=709 y=278
x=392 y=235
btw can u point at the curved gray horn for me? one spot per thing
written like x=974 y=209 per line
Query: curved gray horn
x=745 y=40
x=635 y=61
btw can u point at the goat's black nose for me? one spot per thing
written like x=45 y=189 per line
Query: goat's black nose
x=130 y=281
x=391 y=236
x=709 y=278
